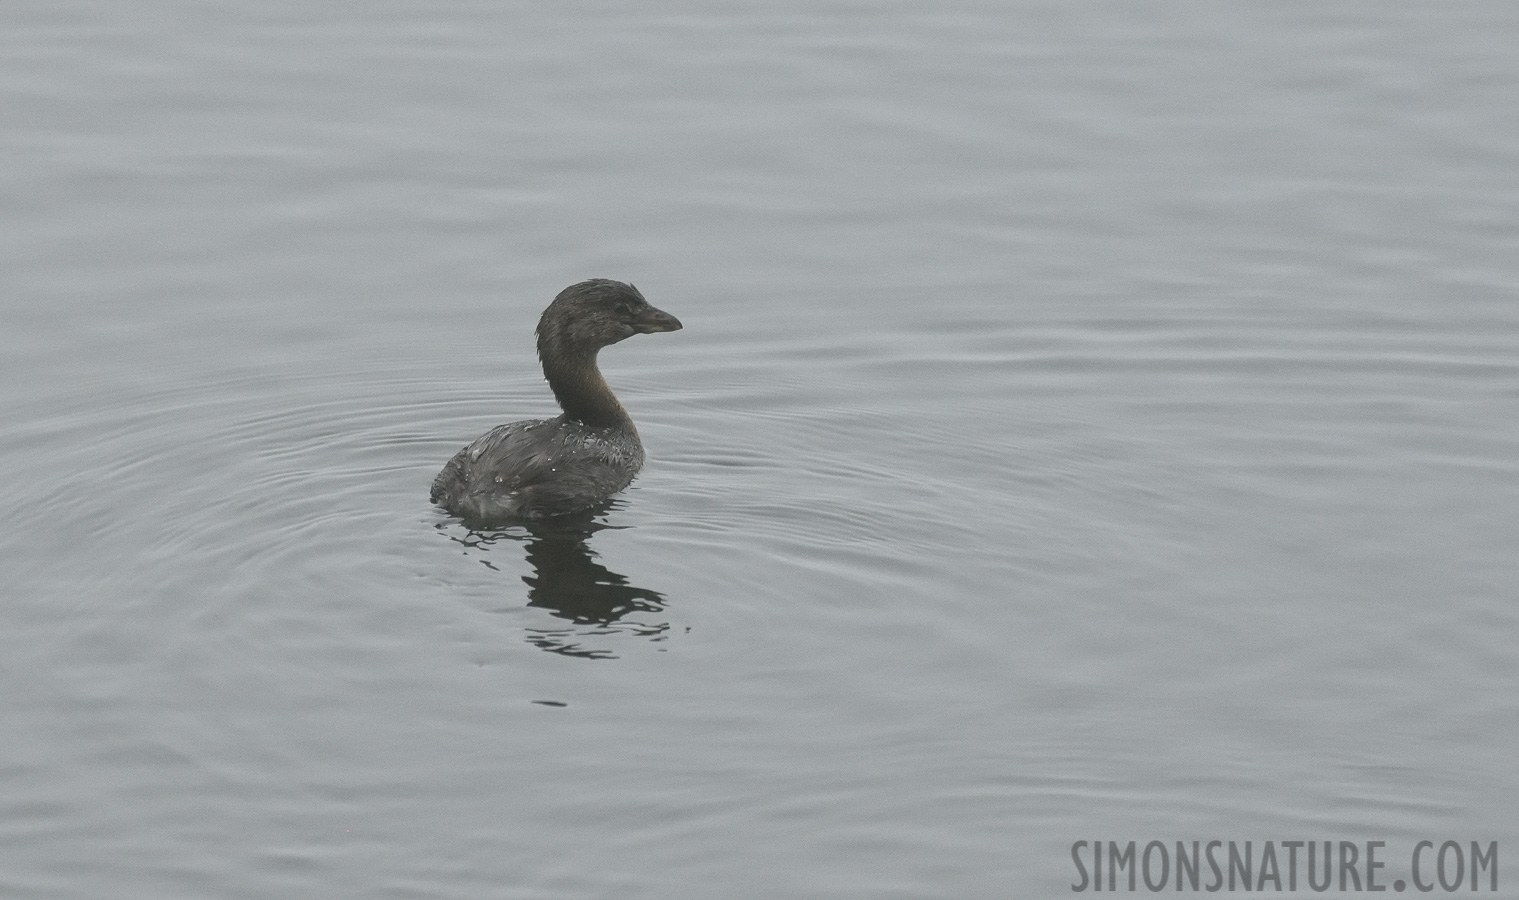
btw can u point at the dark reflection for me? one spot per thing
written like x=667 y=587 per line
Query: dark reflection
x=569 y=583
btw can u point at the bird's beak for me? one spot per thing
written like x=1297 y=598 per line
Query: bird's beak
x=653 y=320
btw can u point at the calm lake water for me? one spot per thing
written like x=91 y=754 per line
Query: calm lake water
x=1093 y=422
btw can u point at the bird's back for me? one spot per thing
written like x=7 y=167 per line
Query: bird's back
x=537 y=469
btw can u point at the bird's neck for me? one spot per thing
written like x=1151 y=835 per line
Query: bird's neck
x=582 y=392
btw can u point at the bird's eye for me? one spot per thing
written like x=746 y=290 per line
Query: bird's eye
x=622 y=307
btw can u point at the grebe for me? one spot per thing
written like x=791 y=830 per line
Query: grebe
x=541 y=468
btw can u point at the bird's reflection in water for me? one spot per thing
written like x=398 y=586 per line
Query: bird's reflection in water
x=569 y=583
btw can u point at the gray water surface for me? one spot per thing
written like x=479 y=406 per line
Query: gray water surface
x=1092 y=422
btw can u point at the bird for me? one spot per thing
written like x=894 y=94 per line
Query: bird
x=545 y=468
